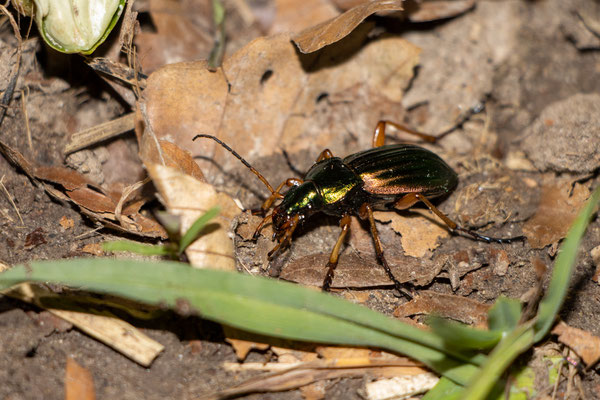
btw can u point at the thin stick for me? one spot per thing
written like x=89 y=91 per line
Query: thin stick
x=11 y=200
x=26 y=117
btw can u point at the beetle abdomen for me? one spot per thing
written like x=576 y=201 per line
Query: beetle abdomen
x=402 y=168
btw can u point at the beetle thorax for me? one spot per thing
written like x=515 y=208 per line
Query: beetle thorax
x=302 y=200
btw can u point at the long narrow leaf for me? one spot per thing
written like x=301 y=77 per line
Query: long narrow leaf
x=445 y=389
x=138 y=248
x=504 y=315
x=194 y=230
x=500 y=358
x=255 y=304
x=463 y=336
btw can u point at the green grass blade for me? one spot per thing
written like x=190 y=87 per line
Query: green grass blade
x=504 y=315
x=138 y=248
x=462 y=336
x=445 y=389
x=563 y=269
x=509 y=348
x=258 y=305
x=194 y=231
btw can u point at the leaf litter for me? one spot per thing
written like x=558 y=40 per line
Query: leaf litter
x=304 y=103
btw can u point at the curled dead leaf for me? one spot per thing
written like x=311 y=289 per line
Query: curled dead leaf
x=295 y=16
x=323 y=34
x=584 y=343
x=425 y=11
x=189 y=198
x=171 y=155
x=93 y=200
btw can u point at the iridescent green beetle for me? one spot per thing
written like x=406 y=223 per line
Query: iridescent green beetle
x=384 y=177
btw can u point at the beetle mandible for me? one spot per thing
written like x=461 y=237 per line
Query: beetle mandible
x=381 y=178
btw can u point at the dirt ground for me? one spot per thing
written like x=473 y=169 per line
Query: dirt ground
x=526 y=164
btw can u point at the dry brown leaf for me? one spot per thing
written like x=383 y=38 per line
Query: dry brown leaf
x=358 y=266
x=189 y=198
x=294 y=16
x=170 y=155
x=266 y=97
x=419 y=233
x=93 y=201
x=445 y=305
x=323 y=34
x=585 y=344
x=183 y=100
x=243 y=347
x=352 y=271
x=425 y=11
x=555 y=213
x=66 y=177
x=183 y=32
x=266 y=79
x=243 y=342
x=79 y=383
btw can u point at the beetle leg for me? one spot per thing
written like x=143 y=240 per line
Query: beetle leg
x=366 y=212
x=276 y=195
x=410 y=199
x=260 y=226
x=286 y=238
x=325 y=154
x=335 y=252
x=379 y=133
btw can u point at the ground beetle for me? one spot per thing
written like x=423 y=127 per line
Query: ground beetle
x=384 y=177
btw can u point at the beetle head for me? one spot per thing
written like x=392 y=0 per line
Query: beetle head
x=298 y=203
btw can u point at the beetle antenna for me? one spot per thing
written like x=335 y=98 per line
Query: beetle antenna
x=250 y=167
x=476 y=109
x=488 y=239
